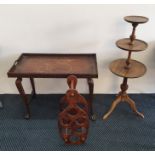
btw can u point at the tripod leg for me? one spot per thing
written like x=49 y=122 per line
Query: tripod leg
x=113 y=106
x=133 y=106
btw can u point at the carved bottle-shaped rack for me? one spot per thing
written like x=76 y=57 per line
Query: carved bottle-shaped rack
x=73 y=119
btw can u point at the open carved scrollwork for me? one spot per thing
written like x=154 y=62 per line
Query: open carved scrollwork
x=73 y=117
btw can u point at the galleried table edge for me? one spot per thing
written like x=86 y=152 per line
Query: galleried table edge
x=89 y=76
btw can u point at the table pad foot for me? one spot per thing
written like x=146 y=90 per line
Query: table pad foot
x=27 y=116
x=93 y=117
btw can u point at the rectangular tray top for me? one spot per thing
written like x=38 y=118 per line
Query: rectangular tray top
x=54 y=65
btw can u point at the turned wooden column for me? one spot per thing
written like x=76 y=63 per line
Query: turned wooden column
x=123 y=97
x=133 y=36
x=128 y=68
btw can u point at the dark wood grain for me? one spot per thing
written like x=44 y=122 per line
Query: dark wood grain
x=123 y=97
x=136 y=46
x=55 y=65
x=136 y=69
x=37 y=65
x=128 y=68
x=136 y=19
x=73 y=120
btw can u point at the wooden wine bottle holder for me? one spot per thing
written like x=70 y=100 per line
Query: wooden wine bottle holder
x=128 y=68
x=73 y=118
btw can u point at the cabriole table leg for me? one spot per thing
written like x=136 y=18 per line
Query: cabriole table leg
x=1 y=105
x=24 y=97
x=91 y=91
x=33 y=87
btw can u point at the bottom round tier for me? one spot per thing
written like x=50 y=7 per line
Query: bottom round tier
x=136 y=69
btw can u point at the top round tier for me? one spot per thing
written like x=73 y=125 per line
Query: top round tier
x=136 y=19
x=137 y=46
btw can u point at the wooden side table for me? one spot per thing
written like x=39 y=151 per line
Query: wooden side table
x=128 y=68
x=36 y=65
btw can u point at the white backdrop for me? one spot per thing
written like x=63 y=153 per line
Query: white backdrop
x=75 y=29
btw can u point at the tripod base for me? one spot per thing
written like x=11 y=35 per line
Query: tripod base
x=122 y=97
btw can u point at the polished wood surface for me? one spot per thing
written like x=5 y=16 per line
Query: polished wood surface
x=36 y=65
x=55 y=65
x=136 y=46
x=123 y=97
x=128 y=68
x=93 y=116
x=73 y=118
x=24 y=97
x=136 y=69
x=136 y=19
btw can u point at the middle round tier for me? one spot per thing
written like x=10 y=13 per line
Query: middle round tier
x=137 y=46
x=136 y=69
